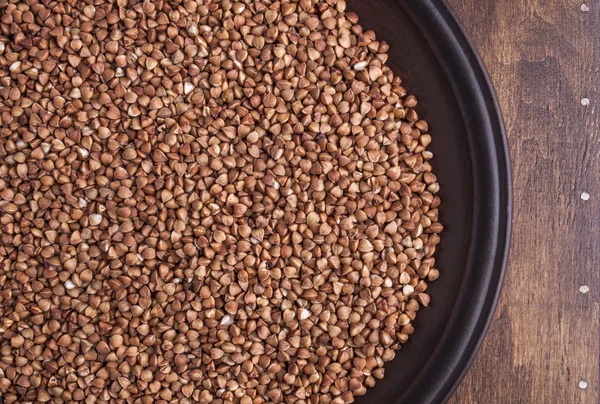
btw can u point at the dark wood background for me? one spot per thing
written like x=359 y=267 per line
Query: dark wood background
x=542 y=56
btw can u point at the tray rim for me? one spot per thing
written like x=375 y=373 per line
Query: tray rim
x=491 y=230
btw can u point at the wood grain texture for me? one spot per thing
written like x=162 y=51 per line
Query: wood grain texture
x=543 y=58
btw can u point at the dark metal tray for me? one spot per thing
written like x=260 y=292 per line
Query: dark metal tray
x=437 y=63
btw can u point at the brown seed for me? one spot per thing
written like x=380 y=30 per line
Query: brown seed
x=17 y=341
x=74 y=60
x=124 y=193
x=116 y=341
x=239 y=210
x=269 y=100
x=436 y=227
x=9 y=208
x=95 y=219
x=113 y=113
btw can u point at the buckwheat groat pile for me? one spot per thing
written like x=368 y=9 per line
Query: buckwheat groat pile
x=205 y=201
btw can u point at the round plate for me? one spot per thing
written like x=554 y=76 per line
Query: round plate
x=437 y=63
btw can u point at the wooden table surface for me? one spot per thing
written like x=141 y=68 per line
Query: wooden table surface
x=543 y=58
